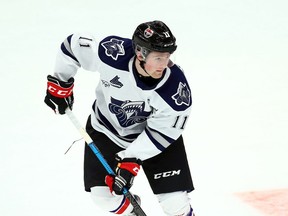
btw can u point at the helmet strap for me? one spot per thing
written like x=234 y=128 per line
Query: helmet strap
x=142 y=65
x=142 y=61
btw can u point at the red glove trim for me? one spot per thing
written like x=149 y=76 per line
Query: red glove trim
x=109 y=180
x=130 y=166
x=58 y=91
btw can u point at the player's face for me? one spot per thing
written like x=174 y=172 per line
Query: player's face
x=156 y=62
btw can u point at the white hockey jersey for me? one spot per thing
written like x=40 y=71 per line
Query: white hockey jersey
x=144 y=120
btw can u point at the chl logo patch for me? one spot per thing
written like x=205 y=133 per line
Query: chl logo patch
x=183 y=95
x=148 y=33
x=114 y=48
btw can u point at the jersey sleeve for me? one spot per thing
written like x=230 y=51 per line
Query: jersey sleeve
x=76 y=51
x=171 y=109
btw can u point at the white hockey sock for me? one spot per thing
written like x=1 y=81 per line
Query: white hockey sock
x=175 y=204
x=117 y=204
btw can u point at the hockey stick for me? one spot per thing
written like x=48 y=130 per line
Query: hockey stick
x=136 y=207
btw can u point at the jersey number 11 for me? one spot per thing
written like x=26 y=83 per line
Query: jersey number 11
x=180 y=122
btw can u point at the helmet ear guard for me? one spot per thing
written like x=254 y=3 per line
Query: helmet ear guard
x=143 y=51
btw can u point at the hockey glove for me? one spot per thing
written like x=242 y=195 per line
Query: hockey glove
x=125 y=171
x=59 y=94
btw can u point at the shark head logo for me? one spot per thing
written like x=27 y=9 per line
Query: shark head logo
x=128 y=112
x=183 y=95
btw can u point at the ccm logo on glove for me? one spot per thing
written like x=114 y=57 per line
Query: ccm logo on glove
x=58 y=91
x=59 y=94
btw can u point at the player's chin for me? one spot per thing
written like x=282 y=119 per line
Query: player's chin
x=157 y=74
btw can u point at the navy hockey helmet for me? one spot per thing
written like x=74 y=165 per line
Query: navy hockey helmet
x=153 y=36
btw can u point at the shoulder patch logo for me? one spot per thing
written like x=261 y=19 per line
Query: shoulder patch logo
x=183 y=95
x=114 y=48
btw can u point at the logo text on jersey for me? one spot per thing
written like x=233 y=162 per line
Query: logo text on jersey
x=114 y=48
x=183 y=95
x=105 y=83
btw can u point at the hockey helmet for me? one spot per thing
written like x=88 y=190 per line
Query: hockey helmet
x=153 y=36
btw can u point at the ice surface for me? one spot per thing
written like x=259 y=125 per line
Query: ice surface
x=235 y=56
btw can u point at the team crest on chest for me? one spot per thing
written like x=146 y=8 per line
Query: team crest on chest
x=114 y=48
x=183 y=95
x=128 y=112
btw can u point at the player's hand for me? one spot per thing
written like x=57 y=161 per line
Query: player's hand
x=59 y=94
x=125 y=171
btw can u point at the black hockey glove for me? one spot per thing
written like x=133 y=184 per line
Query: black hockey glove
x=125 y=171
x=59 y=94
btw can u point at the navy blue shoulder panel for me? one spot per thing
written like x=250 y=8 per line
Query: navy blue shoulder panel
x=176 y=91
x=116 y=52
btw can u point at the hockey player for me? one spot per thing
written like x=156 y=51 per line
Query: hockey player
x=143 y=101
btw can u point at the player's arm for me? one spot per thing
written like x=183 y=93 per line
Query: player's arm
x=75 y=51
x=160 y=133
